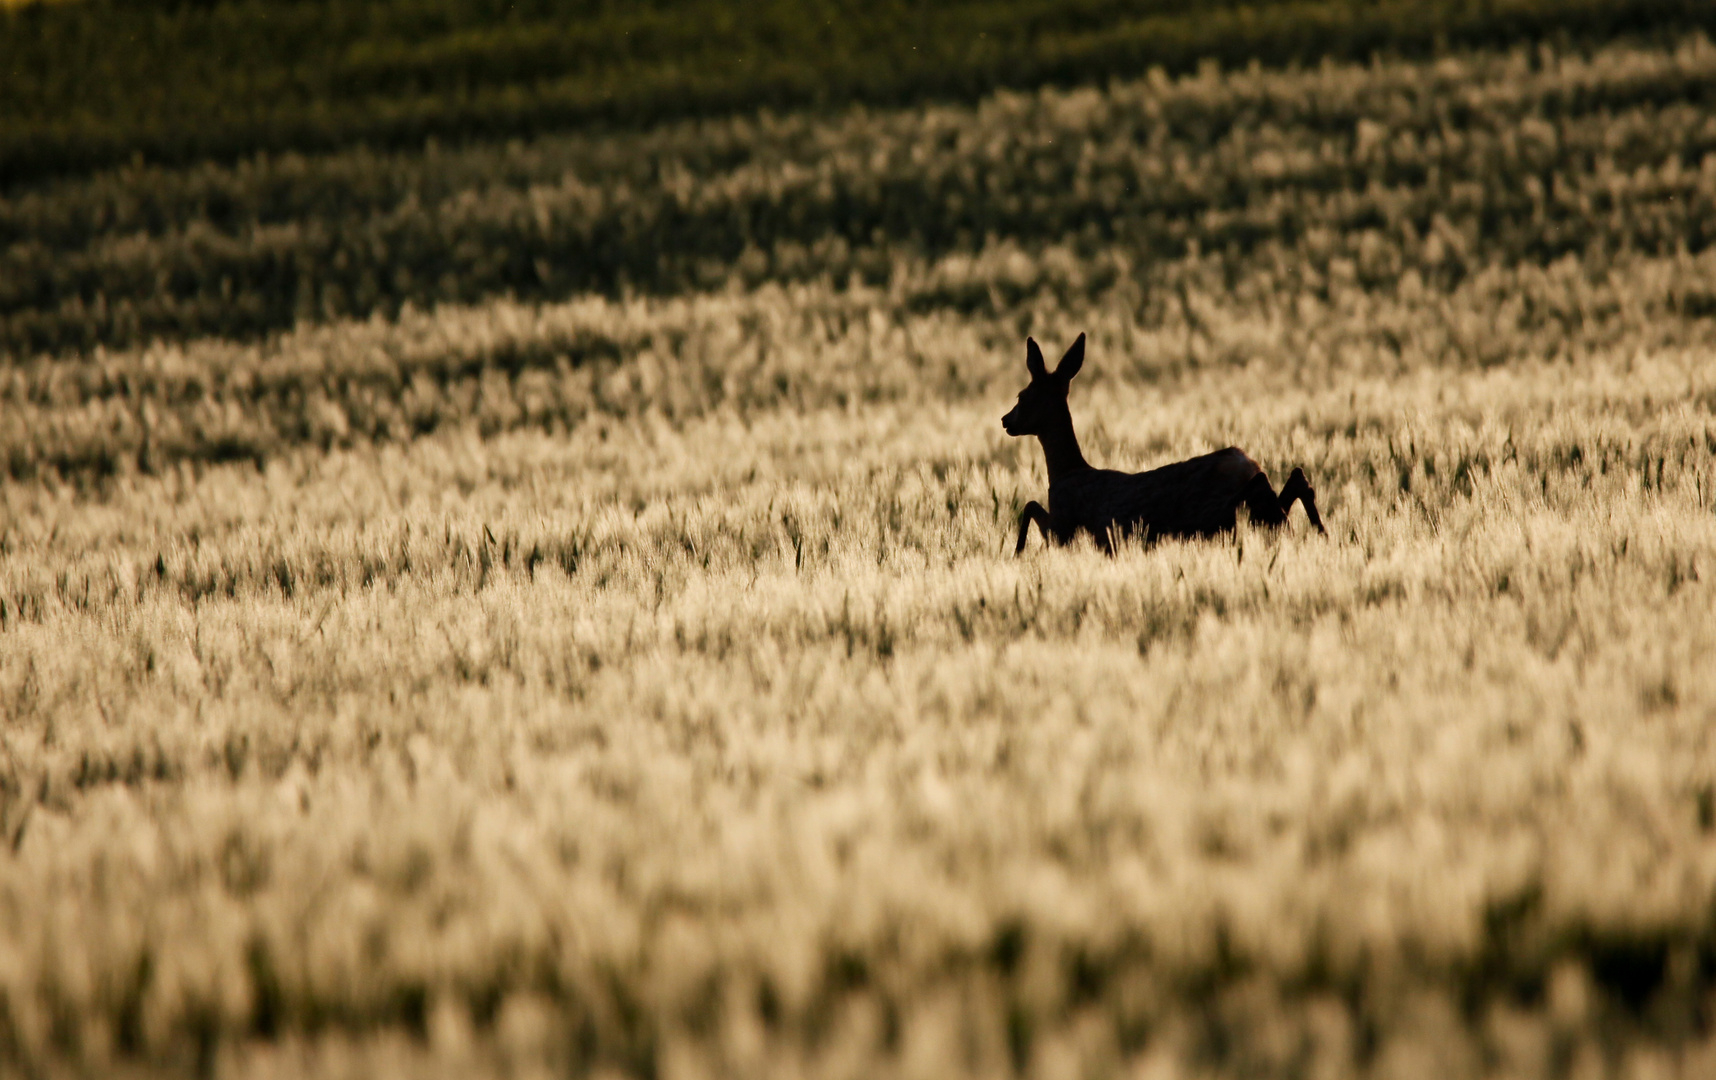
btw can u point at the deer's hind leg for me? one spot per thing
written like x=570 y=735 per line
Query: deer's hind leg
x=1033 y=512
x=1268 y=508
x=1299 y=488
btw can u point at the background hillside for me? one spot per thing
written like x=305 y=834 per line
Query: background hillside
x=100 y=82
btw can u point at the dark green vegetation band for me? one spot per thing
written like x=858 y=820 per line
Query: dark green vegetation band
x=90 y=84
x=1385 y=169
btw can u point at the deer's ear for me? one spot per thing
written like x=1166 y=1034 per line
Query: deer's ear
x=1034 y=360
x=1072 y=361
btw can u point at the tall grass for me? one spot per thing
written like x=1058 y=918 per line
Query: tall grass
x=743 y=742
x=640 y=681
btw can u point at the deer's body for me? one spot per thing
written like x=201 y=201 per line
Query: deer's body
x=1196 y=497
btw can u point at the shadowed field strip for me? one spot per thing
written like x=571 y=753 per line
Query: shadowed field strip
x=1341 y=173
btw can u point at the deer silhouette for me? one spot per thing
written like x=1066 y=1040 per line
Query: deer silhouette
x=1196 y=497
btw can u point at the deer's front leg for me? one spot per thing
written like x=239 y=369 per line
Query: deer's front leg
x=1033 y=512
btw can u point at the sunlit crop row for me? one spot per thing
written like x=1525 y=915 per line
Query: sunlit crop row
x=936 y=333
x=742 y=744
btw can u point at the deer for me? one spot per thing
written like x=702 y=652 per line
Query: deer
x=1199 y=497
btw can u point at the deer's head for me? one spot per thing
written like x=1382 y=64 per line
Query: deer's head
x=1044 y=401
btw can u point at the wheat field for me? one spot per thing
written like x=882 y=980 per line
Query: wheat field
x=640 y=682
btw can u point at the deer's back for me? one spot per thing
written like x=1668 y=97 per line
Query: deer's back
x=1195 y=497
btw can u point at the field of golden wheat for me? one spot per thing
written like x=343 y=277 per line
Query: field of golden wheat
x=608 y=657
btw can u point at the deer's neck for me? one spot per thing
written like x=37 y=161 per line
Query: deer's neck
x=1060 y=448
